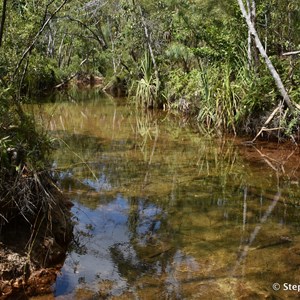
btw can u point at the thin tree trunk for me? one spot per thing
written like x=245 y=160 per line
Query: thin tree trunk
x=253 y=57
x=268 y=62
x=60 y=50
x=27 y=51
x=69 y=54
x=112 y=47
x=149 y=42
x=253 y=20
x=249 y=43
x=51 y=43
x=266 y=34
x=2 y=20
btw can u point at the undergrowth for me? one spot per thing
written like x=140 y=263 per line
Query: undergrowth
x=25 y=184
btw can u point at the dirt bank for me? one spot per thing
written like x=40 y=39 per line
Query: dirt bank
x=33 y=246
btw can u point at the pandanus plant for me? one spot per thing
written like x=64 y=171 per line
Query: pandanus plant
x=147 y=87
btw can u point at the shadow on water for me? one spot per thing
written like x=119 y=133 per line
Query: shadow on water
x=162 y=212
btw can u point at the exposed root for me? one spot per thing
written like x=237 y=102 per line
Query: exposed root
x=35 y=233
x=23 y=194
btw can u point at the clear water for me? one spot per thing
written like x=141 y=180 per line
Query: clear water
x=162 y=212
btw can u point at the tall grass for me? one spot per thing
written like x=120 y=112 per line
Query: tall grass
x=24 y=183
x=226 y=97
x=148 y=86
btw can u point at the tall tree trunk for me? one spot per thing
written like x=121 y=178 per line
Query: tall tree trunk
x=263 y=53
x=112 y=47
x=249 y=40
x=253 y=57
x=60 y=58
x=149 y=43
x=253 y=20
x=266 y=34
x=2 y=20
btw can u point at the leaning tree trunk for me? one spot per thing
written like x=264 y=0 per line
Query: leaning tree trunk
x=2 y=20
x=263 y=53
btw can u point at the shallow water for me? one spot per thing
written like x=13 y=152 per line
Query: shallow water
x=163 y=212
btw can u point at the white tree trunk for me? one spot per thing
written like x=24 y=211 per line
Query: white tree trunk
x=148 y=38
x=263 y=53
x=249 y=46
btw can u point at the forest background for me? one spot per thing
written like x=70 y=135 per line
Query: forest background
x=198 y=57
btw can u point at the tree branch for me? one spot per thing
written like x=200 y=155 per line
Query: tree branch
x=27 y=51
x=291 y=53
x=100 y=40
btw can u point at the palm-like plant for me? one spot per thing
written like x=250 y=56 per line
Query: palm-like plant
x=147 y=87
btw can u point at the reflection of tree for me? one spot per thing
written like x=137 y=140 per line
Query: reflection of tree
x=257 y=228
x=129 y=265
x=148 y=250
x=133 y=217
x=198 y=203
x=81 y=238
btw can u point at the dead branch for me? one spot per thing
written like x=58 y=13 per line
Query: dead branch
x=70 y=77
x=273 y=114
x=261 y=131
x=291 y=53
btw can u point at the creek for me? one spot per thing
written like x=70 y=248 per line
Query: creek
x=163 y=212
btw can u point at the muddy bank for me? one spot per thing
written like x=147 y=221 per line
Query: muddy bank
x=281 y=158
x=80 y=79
x=33 y=247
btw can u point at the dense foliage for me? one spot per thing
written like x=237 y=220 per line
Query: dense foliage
x=181 y=55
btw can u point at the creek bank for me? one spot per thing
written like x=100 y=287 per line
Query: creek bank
x=81 y=79
x=33 y=246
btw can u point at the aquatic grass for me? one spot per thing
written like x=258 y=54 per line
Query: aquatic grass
x=227 y=104
x=80 y=158
x=215 y=93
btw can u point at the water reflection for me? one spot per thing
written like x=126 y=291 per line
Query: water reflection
x=162 y=212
